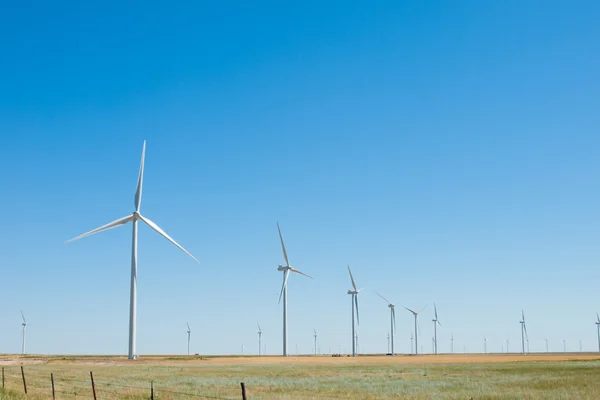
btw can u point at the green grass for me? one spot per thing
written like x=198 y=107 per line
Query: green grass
x=523 y=380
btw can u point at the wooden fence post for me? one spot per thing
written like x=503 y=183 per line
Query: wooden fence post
x=152 y=390
x=24 y=383
x=52 y=380
x=2 y=377
x=243 y=390
x=93 y=386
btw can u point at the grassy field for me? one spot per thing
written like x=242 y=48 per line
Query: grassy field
x=308 y=378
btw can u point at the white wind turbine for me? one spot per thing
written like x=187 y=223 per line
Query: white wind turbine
x=598 y=329
x=134 y=217
x=189 y=332
x=286 y=271
x=392 y=320
x=354 y=294
x=315 y=335
x=259 y=337
x=416 y=315
x=484 y=345
x=436 y=322
x=523 y=331
x=24 y=325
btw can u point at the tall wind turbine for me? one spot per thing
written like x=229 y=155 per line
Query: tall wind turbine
x=484 y=345
x=452 y=343
x=416 y=315
x=24 y=325
x=523 y=330
x=598 y=329
x=436 y=322
x=189 y=332
x=546 y=345
x=315 y=335
x=392 y=320
x=134 y=217
x=259 y=337
x=286 y=271
x=354 y=294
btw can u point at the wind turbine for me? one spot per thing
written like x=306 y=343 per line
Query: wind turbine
x=416 y=315
x=523 y=331
x=484 y=345
x=564 y=345
x=546 y=345
x=436 y=322
x=24 y=325
x=259 y=336
x=507 y=343
x=189 y=332
x=392 y=320
x=452 y=343
x=315 y=335
x=134 y=217
x=354 y=294
x=411 y=342
x=598 y=329
x=286 y=271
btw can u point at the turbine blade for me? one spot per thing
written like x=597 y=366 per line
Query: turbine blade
x=285 y=279
x=356 y=302
x=188 y=325
x=138 y=190
x=352 y=278
x=394 y=318
x=598 y=317
x=412 y=311
x=287 y=263
x=438 y=322
x=435 y=311
x=260 y=330
x=525 y=328
x=389 y=302
x=315 y=331
x=110 y=225
x=164 y=234
x=23 y=316
x=301 y=273
x=422 y=309
x=523 y=315
x=418 y=324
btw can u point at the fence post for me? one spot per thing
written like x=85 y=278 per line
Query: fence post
x=243 y=390
x=151 y=390
x=24 y=383
x=93 y=386
x=2 y=377
x=52 y=380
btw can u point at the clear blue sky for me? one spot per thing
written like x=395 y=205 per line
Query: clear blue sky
x=447 y=151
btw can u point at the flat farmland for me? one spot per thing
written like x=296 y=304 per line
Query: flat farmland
x=458 y=376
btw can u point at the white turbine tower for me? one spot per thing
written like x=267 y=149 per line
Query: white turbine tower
x=24 y=325
x=523 y=330
x=259 y=337
x=354 y=294
x=189 y=332
x=315 y=335
x=286 y=271
x=392 y=320
x=436 y=322
x=416 y=315
x=484 y=345
x=598 y=329
x=134 y=217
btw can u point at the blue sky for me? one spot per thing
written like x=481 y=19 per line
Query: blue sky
x=447 y=151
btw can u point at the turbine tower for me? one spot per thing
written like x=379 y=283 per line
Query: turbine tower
x=134 y=217
x=546 y=345
x=24 y=325
x=484 y=345
x=286 y=271
x=452 y=343
x=416 y=315
x=354 y=294
x=598 y=329
x=392 y=321
x=189 y=331
x=523 y=330
x=259 y=337
x=436 y=322
x=411 y=342
x=315 y=335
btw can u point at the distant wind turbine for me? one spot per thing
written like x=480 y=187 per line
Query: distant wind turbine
x=546 y=345
x=315 y=335
x=134 y=219
x=189 y=332
x=411 y=343
x=564 y=345
x=392 y=320
x=598 y=329
x=259 y=337
x=286 y=271
x=354 y=293
x=507 y=343
x=523 y=331
x=484 y=345
x=416 y=315
x=24 y=325
x=436 y=322
x=452 y=343
x=388 y=340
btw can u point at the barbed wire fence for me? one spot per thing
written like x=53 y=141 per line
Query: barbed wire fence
x=42 y=385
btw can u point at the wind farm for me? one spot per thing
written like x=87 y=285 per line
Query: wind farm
x=396 y=156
